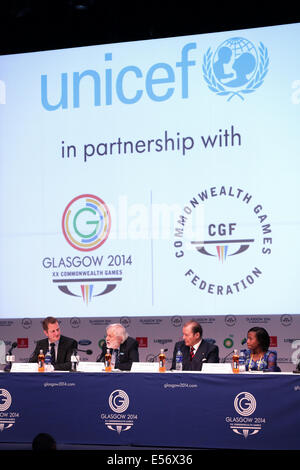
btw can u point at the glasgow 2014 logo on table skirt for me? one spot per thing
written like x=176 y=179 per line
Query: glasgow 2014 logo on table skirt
x=245 y=424
x=119 y=420
x=236 y=68
x=7 y=418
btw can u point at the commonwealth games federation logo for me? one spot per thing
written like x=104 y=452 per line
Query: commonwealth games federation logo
x=86 y=222
x=223 y=237
x=236 y=68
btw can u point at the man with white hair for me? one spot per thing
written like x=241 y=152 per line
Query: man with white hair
x=122 y=347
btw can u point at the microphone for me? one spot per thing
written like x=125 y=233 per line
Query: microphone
x=154 y=357
x=243 y=341
x=13 y=346
x=88 y=351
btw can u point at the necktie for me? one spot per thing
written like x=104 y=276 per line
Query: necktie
x=116 y=352
x=52 y=352
x=192 y=352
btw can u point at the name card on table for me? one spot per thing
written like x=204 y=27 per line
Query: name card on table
x=2 y=351
x=144 y=367
x=24 y=367
x=216 y=368
x=90 y=367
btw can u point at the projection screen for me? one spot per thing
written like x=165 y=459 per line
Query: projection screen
x=156 y=177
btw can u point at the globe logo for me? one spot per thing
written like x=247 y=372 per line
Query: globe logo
x=236 y=68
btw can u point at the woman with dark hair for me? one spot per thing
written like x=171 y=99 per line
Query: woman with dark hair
x=258 y=357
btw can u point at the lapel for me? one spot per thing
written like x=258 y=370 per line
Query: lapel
x=45 y=346
x=200 y=352
x=60 y=348
x=186 y=354
x=122 y=350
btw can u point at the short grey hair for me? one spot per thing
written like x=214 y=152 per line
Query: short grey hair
x=119 y=330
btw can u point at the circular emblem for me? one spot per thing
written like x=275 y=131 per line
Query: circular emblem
x=245 y=404
x=286 y=320
x=118 y=401
x=228 y=343
x=236 y=68
x=5 y=399
x=86 y=222
x=223 y=239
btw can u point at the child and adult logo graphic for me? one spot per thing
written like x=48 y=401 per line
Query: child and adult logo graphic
x=236 y=68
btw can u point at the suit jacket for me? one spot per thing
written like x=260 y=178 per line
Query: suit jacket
x=128 y=354
x=65 y=350
x=207 y=352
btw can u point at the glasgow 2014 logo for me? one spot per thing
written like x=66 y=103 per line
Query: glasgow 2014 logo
x=86 y=225
x=244 y=423
x=7 y=417
x=86 y=222
x=119 y=420
x=236 y=68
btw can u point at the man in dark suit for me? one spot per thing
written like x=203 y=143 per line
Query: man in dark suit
x=60 y=347
x=123 y=348
x=195 y=350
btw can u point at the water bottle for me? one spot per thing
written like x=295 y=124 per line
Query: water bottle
x=235 y=362
x=162 y=361
x=41 y=361
x=107 y=361
x=47 y=361
x=242 y=365
x=179 y=360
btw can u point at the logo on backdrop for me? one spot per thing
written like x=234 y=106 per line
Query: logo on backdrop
x=86 y=224
x=236 y=68
x=222 y=238
x=119 y=420
x=7 y=418
x=245 y=424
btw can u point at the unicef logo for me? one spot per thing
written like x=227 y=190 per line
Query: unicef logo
x=245 y=404
x=118 y=401
x=236 y=68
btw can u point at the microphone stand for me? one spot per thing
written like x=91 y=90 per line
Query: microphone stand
x=9 y=358
x=154 y=357
x=227 y=355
